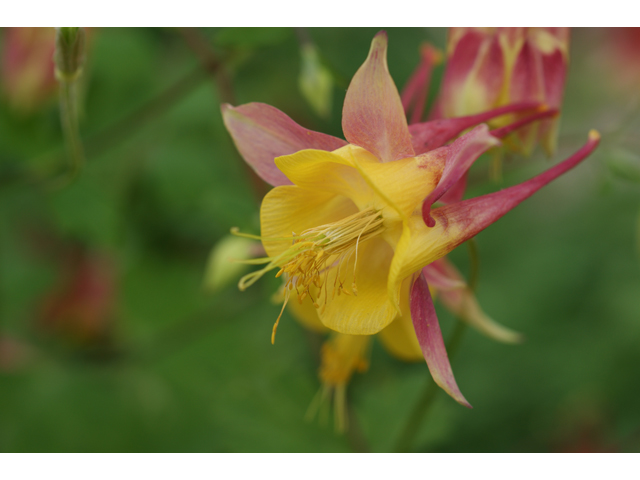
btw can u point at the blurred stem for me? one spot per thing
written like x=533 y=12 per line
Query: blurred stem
x=474 y=260
x=155 y=108
x=303 y=35
x=429 y=393
x=210 y=62
x=119 y=131
x=201 y=47
x=69 y=59
x=70 y=128
x=638 y=235
x=496 y=168
x=355 y=437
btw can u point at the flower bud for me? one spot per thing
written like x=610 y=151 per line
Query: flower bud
x=225 y=261
x=315 y=80
x=80 y=309
x=69 y=54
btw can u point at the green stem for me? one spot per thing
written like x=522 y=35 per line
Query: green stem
x=638 y=236
x=153 y=109
x=210 y=62
x=474 y=267
x=427 y=397
x=355 y=437
x=70 y=128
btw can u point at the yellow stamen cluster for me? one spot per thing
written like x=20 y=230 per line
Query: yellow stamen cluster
x=314 y=253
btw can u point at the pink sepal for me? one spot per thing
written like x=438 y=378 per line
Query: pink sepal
x=372 y=116
x=414 y=94
x=262 y=133
x=427 y=328
x=474 y=215
x=456 y=192
x=507 y=129
x=439 y=276
x=460 y=156
x=429 y=135
x=555 y=73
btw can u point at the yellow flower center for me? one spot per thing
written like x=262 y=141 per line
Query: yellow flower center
x=314 y=253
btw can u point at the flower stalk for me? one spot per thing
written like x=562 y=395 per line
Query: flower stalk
x=69 y=60
x=423 y=405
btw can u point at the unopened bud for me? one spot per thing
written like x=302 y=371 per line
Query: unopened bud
x=315 y=81
x=69 y=54
x=225 y=261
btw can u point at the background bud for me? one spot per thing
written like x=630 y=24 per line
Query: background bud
x=315 y=81
x=69 y=54
x=27 y=67
x=223 y=267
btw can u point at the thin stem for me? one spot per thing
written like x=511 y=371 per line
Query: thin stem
x=70 y=128
x=474 y=268
x=424 y=403
x=303 y=35
x=210 y=62
x=155 y=108
x=355 y=437
x=638 y=235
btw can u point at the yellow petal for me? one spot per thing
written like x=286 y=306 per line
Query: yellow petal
x=290 y=209
x=418 y=246
x=322 y=171
x=369 y=311
x=402 y=184
x=399 y=338
x=397 y=187
x=342 y=355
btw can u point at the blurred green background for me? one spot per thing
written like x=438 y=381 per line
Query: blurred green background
x=137 y=356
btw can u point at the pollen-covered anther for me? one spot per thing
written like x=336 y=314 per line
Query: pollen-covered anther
x=317 y=250
x=313 y=253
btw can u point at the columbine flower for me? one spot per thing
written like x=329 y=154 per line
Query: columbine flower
x=491 y=67
x=350 y=225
